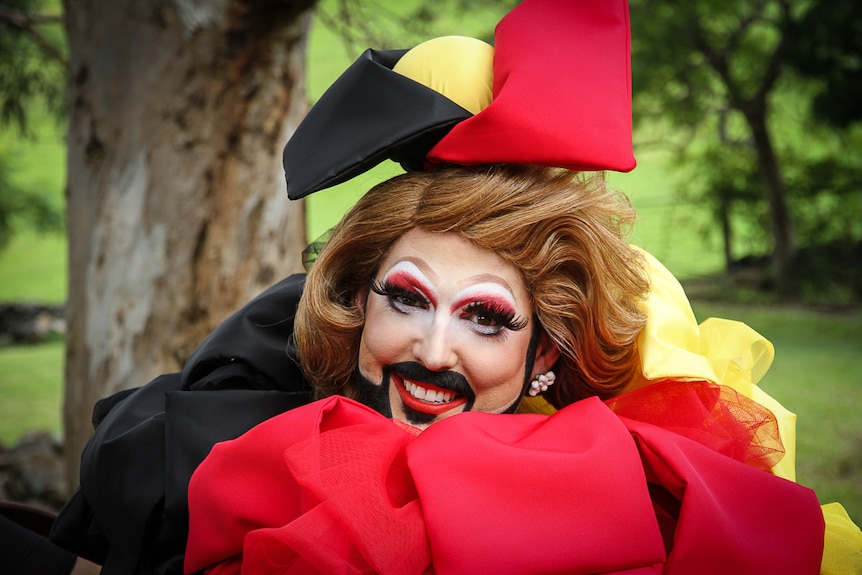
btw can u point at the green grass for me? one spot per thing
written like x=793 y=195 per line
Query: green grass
x=328 y=57
x=816 y=372
x=667 y=226
x=817 y=375
x=31 y=388
x=33 y=268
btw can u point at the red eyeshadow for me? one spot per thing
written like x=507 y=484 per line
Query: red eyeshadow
x=491 y=301
x=406 y=281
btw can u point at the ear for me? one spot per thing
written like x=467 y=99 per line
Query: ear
x=547 y=354
x=360 y=299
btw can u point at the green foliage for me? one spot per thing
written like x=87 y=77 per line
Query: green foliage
x=826 y=198
x=24 y=207
x=702 y=94
x=695 y=59
x=32 y=61
x=696 y=63
x=32 y=74
x=818 y=376
x=826 y=44
x=391 y=24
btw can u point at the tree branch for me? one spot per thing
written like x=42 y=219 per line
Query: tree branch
x=28 y=24
x=776 y=59
x=744 y=24
x=717 y=60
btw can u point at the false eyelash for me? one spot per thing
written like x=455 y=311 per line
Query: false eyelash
x=390 y=291
x=499 y=313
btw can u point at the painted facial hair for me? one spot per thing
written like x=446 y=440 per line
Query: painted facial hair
x=415 y=385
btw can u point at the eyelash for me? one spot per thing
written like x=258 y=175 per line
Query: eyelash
x=502 y=317
x=392 y=293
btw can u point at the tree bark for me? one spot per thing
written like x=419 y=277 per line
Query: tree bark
x=177 y=209
x=784 y=245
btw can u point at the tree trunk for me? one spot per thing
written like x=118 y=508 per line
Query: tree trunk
x=177 y=209
x=784 y=245
x=726 y=230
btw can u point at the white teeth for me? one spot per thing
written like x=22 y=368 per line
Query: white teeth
x=428 y=395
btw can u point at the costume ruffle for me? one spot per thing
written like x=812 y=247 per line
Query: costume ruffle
x=335 y=487
x=713 y=415
x=709 y=373
x=674 y=346
x=700 y=380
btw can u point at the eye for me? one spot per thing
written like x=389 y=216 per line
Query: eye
x=400 y=298
x=490 y=319
x=407 y=299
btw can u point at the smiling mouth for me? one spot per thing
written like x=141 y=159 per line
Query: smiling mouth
x=427 y=398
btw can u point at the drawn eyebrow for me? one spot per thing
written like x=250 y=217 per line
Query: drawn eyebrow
x=481 y=287
x=485 y=291
x=493 y=279
x=408 y=268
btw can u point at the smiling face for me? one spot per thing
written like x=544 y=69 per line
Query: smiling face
x=447 y=329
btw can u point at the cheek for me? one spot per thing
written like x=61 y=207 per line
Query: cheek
x=497 y=375
x=383 y=341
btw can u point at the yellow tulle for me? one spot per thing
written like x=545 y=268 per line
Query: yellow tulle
x=674 y=346
x=842 y=549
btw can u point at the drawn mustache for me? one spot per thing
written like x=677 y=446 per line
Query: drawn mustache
x=451 y=380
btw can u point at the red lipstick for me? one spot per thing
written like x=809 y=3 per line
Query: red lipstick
x=425 y=406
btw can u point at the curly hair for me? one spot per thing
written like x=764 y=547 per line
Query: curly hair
x=564 y=231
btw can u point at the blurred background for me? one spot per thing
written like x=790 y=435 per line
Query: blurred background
x=749 y=188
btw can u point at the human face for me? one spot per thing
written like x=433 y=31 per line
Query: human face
x=447 y=329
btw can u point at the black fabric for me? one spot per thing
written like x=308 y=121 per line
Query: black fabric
x=130 y=513
x=257 y=336
x=24 y=552
x=368 y=115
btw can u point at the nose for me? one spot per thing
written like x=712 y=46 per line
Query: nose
x=434 y=349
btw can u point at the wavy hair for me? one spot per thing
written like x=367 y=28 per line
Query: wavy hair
x=564 y=231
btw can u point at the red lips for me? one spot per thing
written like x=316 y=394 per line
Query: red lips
x=423 y=406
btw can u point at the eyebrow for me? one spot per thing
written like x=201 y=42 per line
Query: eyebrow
x=487 y=292
x=414 y=274
x=426 y=271
x=491 y=278
x=429 y=279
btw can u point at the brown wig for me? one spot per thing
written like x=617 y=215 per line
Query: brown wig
x=563 y=231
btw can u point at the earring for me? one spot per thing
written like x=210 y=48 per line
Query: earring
x=541 y=383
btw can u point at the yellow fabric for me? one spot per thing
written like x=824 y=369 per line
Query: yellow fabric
x=458 y=67
x=740 y=356
x=842 y=544
x=536 y=405
x=725 y=352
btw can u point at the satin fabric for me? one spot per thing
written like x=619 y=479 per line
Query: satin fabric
x=562 y=91
x=130 y=513
x=561 y=74
x=335 y=487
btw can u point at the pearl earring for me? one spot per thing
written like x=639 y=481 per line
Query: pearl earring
x=541 y=383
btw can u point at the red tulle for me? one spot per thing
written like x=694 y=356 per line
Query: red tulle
x=334 y=487
x=713 y=415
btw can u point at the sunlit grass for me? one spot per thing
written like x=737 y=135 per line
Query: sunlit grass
x=33 y=268
x=31 y=389
x=816 y=374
